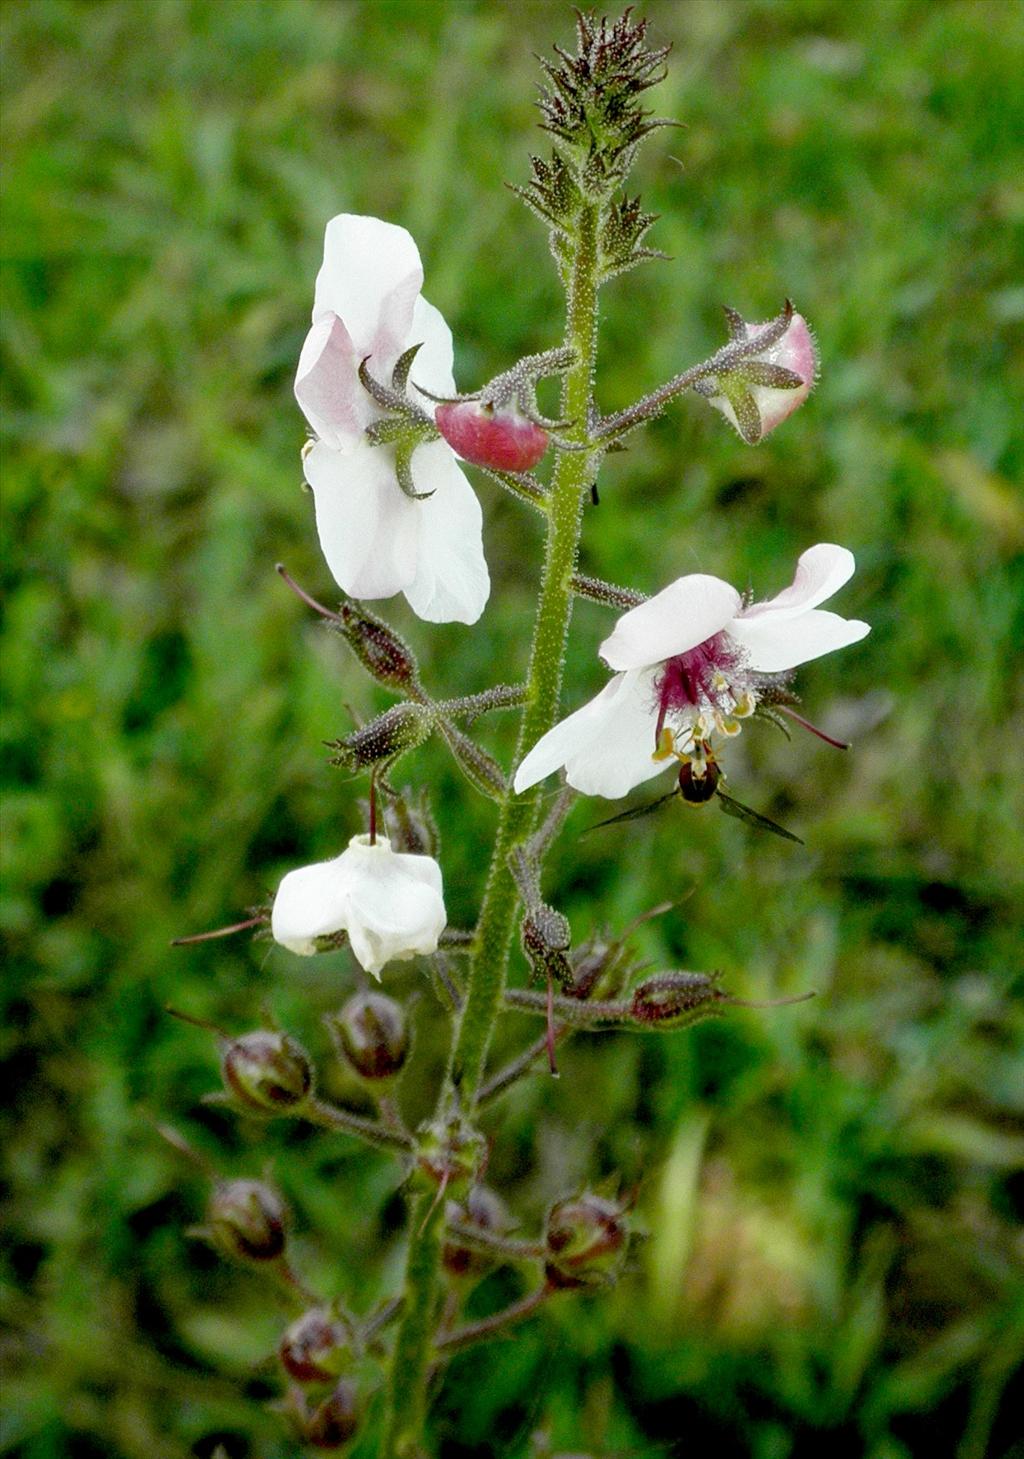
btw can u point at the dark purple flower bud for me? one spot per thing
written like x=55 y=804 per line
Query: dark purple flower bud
x=248 y=1220
x=500 y=438
x=377 y=647
x=330 y=1424
x=673 y=1000
x=698 y=789
x=267 y=1072
x=586 y=1241
x=315 y=1348
x=371 y=1034
x=484 y=1209
x=401 y=728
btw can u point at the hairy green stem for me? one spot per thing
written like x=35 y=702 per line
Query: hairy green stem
x=410 y=1362
x=571 y=482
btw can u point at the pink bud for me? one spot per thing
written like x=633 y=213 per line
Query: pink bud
x=794 y=351
x=501 y=439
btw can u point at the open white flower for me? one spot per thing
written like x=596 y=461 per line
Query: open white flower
x=693 y=662
x=378 y=541
x=390 y=903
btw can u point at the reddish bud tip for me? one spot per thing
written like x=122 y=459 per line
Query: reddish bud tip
x=586 y=1241
x=484 y=1209
x=501 y=439
x=314 y=1349
x=329 y=1424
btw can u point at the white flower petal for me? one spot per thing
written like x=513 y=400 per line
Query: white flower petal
x=776 y=642
x=396 y=909
x=687 y=612
x=369 y=531
x=311 y=902
x=327 y=384
x=435 y=362
x=370 y=277
x=451 y=582
x=390 y=904
x=820 y=572
x=607 y=746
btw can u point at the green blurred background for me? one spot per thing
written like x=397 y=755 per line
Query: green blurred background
x=832 y=1192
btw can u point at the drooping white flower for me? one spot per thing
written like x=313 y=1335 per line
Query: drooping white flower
x=761 y=386
x=377 y=540
x=390 y=903
x=693 y=662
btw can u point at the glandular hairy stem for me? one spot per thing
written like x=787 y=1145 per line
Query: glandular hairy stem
x=570 y=488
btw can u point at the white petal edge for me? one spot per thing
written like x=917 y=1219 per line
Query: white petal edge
x=369 y=531
x=775 y=643
x=311 y=902
x=687 y=612
x=327 y=384
x=435 y=360
x=370 y=277
x=451 y=583
x=607 y=746
x=820 y=572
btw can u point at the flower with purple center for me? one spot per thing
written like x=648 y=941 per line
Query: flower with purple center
x=692 y=664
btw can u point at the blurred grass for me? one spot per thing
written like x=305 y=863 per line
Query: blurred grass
x=833 y=1193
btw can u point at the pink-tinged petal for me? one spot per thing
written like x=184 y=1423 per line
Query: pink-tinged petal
x=820 y=572
x=607 y=746
x=370 y=277
x=777 y=642
x=369 y=531
x=794 y=351
x=687 y=612
x=327 y=384
x=434 y=364
x=451 y=583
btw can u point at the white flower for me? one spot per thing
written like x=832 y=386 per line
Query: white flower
x=693 y=662
x=391 y=904
x=760 y=389
x=378 y=541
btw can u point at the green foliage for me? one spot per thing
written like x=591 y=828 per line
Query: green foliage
x=832 y=1190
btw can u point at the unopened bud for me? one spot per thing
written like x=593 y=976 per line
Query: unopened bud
x=488 y=436
x=484 y=1209
x=371 y=1034
x=699 y=789
x=673 y=1000
x=248 y=1220
x=767 y=371
x=401 y=728
x=586 y=1241
x=377 y=647
x=315 y=1348
x=450 y=1154
x=267 y=1072
x=329 y=1424
x=546 y=938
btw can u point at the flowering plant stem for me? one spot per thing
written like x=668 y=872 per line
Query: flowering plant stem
x=573 y=477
